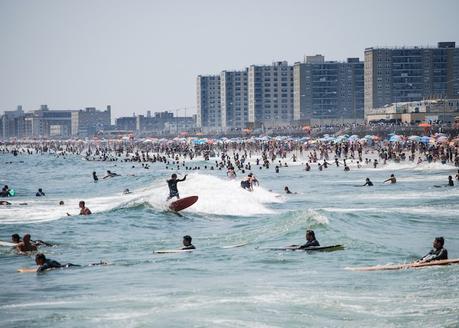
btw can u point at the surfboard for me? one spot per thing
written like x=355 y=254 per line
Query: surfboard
x=413 y=265
x=7 y=244
x=173 y=251
x=330 y=248
x=234 y=246
x=183 y=203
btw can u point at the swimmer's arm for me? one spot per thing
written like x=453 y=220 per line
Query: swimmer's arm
x=27 y=270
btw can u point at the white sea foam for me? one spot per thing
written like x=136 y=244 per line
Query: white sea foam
x=216 y=196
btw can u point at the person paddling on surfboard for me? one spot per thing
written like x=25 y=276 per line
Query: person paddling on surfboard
x=172 y=183
x=311 y=241
x=187 y=243
x=437 y=252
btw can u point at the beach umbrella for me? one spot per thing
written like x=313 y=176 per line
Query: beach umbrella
x=414 y=138
x=425 y=139
x=394 y=138
x=424 y=125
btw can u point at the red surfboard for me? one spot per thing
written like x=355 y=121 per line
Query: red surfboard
x=183 y=203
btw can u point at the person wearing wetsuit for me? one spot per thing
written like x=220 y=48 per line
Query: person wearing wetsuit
x=450 y=181
x=172 y=183
x=368 y=183
x=47 y=264
x=40 y=193
x=94 y=176
x=437 y=253
x=311 y=240
x=187 y=243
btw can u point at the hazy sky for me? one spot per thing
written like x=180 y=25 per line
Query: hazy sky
x=145 y=55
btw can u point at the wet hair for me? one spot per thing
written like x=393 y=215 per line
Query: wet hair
x=61 y=202
x=82 y=202
x=15 y=237
x=187 y=238
x=440 y=240
x=40 y=256
x=311 y=233
x=174 y=176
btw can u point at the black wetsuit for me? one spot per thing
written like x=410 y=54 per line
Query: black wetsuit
x=312 y=243
x=51 y=264
x=435 y=255
x=188 y=247
x=368 y=183
x=173 y=191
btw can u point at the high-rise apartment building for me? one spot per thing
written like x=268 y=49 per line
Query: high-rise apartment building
x=410 y=74
x=328 y=90
x=208 y=101
x=270 y=94
x=234 y=99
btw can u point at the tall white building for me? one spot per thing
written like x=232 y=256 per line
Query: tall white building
x=208 y=101
x=234 y=99
x=270 y=91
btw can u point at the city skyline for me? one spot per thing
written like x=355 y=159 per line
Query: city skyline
x=140 y=57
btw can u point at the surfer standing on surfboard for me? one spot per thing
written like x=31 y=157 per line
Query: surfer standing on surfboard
x=172 y=183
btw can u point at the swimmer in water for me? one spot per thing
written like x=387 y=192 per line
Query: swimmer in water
x=172 y=183
x=126 y=191
x=392 y=179
x=40 y=193
x=110 y=175
x=187 y=243
x=450 y=181
x=4 y=202
x=94 y=176
x=83 y=209
x=437 y=253
x=25 y=245
x=287 y=191
x=368 y=183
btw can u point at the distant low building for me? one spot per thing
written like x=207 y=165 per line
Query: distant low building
x=12 y=124
x=89 y=121
x=46 y=123
x=437 y=110
x=127 y=123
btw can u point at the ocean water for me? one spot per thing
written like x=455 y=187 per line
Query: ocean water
x=215 y=286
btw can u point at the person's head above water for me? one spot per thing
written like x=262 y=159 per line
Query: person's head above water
x=174 y=176
x=61 y=202
x=40 y=190
x=15 y=238
x=310 y=235
x=187 y=240
x=81 y=204
x=26 y=238
x=367 y=179
x=392 y=175
x=40 y=259
x=438 y=242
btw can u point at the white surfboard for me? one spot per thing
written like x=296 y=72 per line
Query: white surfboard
x=234 y=246
x=7 y=244
x=172 y=251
